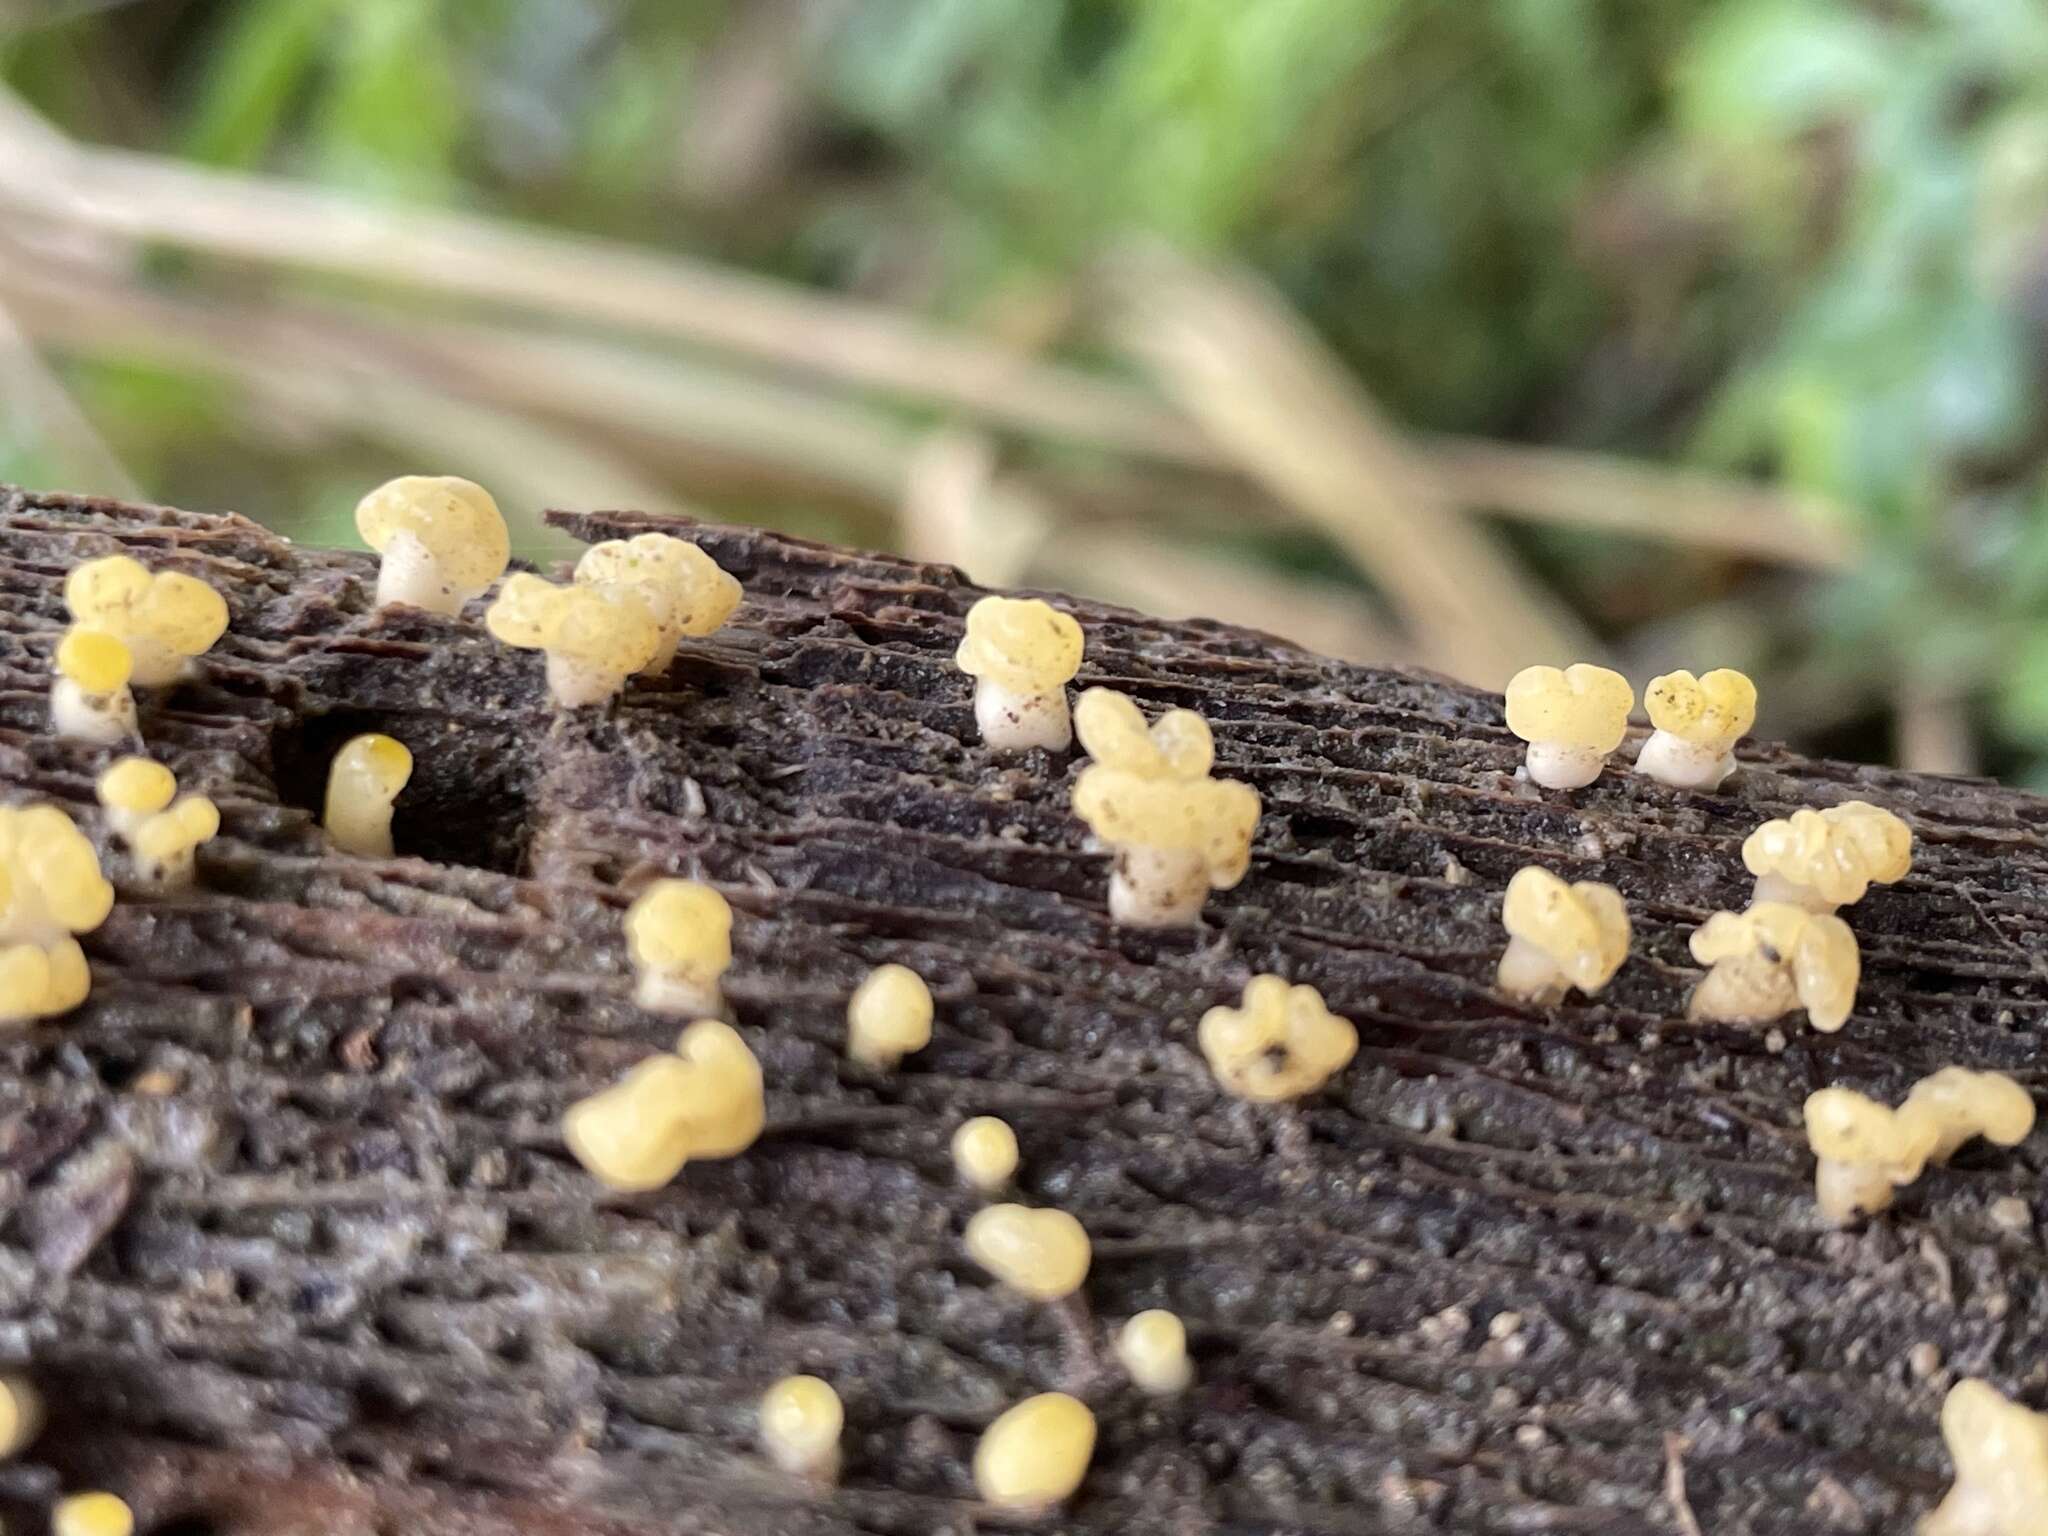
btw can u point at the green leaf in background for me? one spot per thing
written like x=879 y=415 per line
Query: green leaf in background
x=255 y=75
x=1761 y=71
x=2023 y=698
x=395 y=106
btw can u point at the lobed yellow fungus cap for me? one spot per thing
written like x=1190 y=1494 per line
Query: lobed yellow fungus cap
x=373 y=765
x=801 y=1422
x=42 y=849
x=1153 y=1347
x=1845 y=1126
x=2000 y=1450
x=1178 y=745
x=688 y=592
x=192 y=821
x=1964 y=1104
x=1818 y=950
x=119 y=594
x=1582 y=706
x=92 y=1514
x=1036 y=1453
x=1149 y=787
x=889 y=1016
x=456 y=520
x=1280 y=1043
x=1714 y=709
x=21 y=1415
x=96 y=660
x=1583 y=927
x=1042 y=1253
x=985 y=1152
x=705 y=1101
x=728 y=1105
x=1022 y=644
x=1839 y=853
x=136 y=784
x=609 y=628
x=680 y=926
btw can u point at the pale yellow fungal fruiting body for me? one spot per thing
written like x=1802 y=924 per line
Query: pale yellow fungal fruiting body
x=1177 y=833
x=595 y=637
x=442 y=540
x=1043 y=1254
x=1826 y=859
x=166 y=620
x=1560 y=936
x=801 y=1422
x=1153 y=1347
x=679 y=934
x=2000 y=1449
x=705 y=1101
x=363 y=783
x=132 y=790
x=92 y=1514
x=888 y=1017
x=1035 y=1455
x=684 y=590
x=167 y=844
x=21 y=1416
x=1698 y=720
x=1963 y=1104
x=1571 y=719
x=985 y=1152
x=89 y=696
x=1279 y=1043
x=1865 y=1150
x=50 y=888
x=1772 y=958
x=1022 y=653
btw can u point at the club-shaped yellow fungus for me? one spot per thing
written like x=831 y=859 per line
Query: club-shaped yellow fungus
x=1035 y=1455
x=166 y=619
x=985 y=1152
x=679 y=934
x=442 y=540
x=1963 y=1104
x=131 y=790
x=1571 y=719
x=595 y=637
x=166 y=846
x=92 y=1514
x=89 y=697
x=705 y=1101
x=684 y=589
x=1177 y=833
x=362 y=785
x=1771 y=959
x=1826 y=859
x=889 y=1016
x=1021 y=652
x=1698 y=720
x=1560 y=936
x=801 y=1422
x=1043 y=1254
x=1153 y=1347
x=2000 y=1449
x=1865 y=1152
x=1279 y=1043
x=21 y=1415
x=50 y=889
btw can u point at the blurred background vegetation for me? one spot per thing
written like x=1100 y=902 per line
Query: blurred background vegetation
x=1457 y=332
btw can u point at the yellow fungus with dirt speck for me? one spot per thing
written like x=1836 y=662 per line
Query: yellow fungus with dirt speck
x=1279 y=1043
x=1698 y=720
x=167 y=619
x=90 y=700
x=1022 y=652
x=1772 y=958
x=441 y=540
x=1560 y=936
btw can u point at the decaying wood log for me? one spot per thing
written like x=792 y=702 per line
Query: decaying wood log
x=292 y=1244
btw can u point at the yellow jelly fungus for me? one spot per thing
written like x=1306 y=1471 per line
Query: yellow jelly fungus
x=21 y=1415
x=801 y=1422
x=1153 y=1347
x=1279 y=1043
x=92 y=1514
x=442 y=540
x=683 y=588
x=888 y=1017
x=1035 y=1454
x=1865 y=1151
x=166 y=845
x=362 y=784
x=1698 y=720
x=50 y=889
x=1963 y=1104
x=132 y=790
x=165 y=619
x=1827 y=859
x=1022 y=652
x=985 y=1152
x=1771 y=959
x=1560 y=936
x=679 y=934
x=89 y=697
x=1571 y=719
x=2000 y=1450
x=595 y=637
x=1177 y=833
x=1044 y=1254
x=704 y=1101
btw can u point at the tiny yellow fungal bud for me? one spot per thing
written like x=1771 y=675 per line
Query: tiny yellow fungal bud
x=1822 y=860
x=21 y=1415
x=1035 y=1455
x=1560 y=936
x=443 y=540
x=679 y=933
x=1698 y=720
x=1044 y=1254
x=1962 y=1104
x=1153 y=1347
x=1866 y=1151
x=92 y=1514
x=1177 y=833
x=595 y=636
x=1571 y=719
x=985 y=1152
x=705 y=1101
x=801 y=1422
x=362 y=785
x=683 y=588
x=888 y=1017
x=166 y=620
x=131 y=791
x=1772 y=958
x=1022 y=653
x=89 y=697
x=1279 y=1043
x=2000 y=1449
x=50 y=888
x=166 y=845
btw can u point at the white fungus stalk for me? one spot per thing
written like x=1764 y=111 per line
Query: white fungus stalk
x=1571 y=719
x=89 y=697
x=1698 y=720
x=442 y=540
x=1022 y=653
x=362 y=787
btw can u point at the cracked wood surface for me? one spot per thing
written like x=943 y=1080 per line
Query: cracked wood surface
x=292 y=1244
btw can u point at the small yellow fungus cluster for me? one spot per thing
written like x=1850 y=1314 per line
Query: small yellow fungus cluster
x=1866 y=1150
x=89 y=696
x=1153 y=1347
x=137 y=795
x=165 y=620
x=1043 y=1254
x=1826 y=859
x=131 y=791
x=801 y=1422
x=683 y=589
x=704 y=1101
x=1021 y=652
x=1035 y=1455
x=2000 y=1449
x=888 y=1017
x=50 y=889
x=1698 y=720
x=92 y=1514
x=679 y=934
x=985 y=1152
x=1280 y=1042
x=363 y=783
x=1177 y=832
x=1571 y=719
x=1560 y=936
x=442 y=539
x=21 y=1415
x=1964 y=1105
x=595 y=636
x=1771 y=959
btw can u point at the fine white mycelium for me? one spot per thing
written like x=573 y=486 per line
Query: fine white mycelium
x=167 y=620
x=1826 y=859
x=1560 y=936
x=1698 y=720
x=679 y=934
x=801 y=1421
x=1280 y=1043
x=1021 y=652
x=684 y=590
x=1153 y=1347
x=1043 y=1254
x=985 y=1152
x=442 y=540
x=2000 y=1450
x=705 y=1101
x=1572 y=719
x=888 y=1017
x=50 y=889
x=362 y=785
x=1771 y=959
x=594 y=637
x=89 y=696
x=92 y=1514
x=1866 y=1151
x=1035 y=1455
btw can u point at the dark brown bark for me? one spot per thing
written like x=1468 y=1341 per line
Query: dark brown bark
x=292 y=1243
